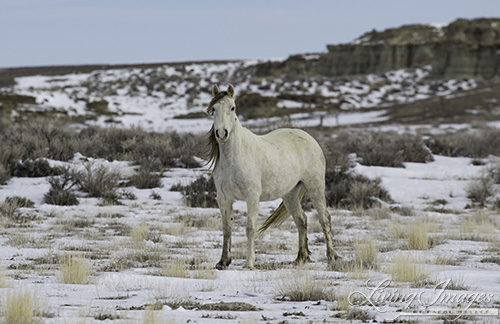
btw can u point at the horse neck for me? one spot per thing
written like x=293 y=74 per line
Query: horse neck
x=237 y=145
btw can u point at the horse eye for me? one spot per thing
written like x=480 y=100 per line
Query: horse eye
x=232 y=109
x=211 y=112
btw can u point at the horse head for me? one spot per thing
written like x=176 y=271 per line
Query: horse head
x=223 y=110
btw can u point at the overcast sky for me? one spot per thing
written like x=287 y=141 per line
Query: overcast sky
x=61 y=32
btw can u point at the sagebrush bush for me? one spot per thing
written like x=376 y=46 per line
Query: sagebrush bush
x=480 y=190
x=200 y=193
x=344 y=187
x=37 y=168
x=100 y=182
x=42 y=139
x=60 y=192
x=4 y=175
x=494 y=172
x=145 y=178
x=383 y=148
x=350 y=189
x=9 y=208
x=470 y=143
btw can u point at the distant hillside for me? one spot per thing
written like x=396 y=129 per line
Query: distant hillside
x=413 y=74
x=464 y=48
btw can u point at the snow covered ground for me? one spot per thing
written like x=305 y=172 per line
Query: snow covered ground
x=153 y=260
x=130 y=277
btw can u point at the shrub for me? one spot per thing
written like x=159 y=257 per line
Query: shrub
x=11 y=205
x=254 y=105
x=344 y=187
x=383 y=149
x=163 y=150
x=37 y=168
x=200 y=193
x=4 y=175
x=154 y=195
x=480 y=190
x=145 y=179
x=100 y=182
x=470 y=143
x=60 y=192
x=494 y=172
x=34 y=140
x=349 y=189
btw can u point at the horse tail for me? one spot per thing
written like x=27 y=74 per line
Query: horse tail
x=279 y=215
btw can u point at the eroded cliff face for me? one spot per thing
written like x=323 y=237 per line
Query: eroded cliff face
x=464 y=48
x=470 y=48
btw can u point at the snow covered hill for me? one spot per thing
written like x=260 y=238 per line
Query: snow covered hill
x=173 y=97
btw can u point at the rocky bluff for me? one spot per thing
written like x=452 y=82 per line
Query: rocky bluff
x=464 y=48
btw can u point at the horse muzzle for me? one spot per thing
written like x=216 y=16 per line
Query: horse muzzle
x=222 y=136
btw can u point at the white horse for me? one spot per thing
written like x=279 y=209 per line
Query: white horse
x=283 y=163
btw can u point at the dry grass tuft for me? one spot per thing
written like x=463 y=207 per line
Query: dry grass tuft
x=418 y=237
x=203 y=270
x=406 y=268
x=19 y=308
x=3 y=279
x=140 y=233
x=74 y=270
x=366 y=252
x=301 y=285
x=153 y=316
x=175 y=268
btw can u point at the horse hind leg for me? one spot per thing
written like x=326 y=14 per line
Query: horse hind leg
x=317 y=196
x=292 y=204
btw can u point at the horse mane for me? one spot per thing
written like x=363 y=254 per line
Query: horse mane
x=213 y=154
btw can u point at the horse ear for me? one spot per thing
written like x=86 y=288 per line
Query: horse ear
x=215 y=90
x=230 y=90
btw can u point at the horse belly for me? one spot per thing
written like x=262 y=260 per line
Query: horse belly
x=277 y=185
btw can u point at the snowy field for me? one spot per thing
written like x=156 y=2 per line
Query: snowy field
x=151 y=259
x=149 y=252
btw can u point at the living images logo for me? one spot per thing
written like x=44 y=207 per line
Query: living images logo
x=438 y=301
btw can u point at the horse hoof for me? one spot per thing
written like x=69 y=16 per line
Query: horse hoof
x=223 y=264
x=301 y=261
x=248 y=266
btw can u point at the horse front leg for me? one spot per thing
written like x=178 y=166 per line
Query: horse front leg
x=252 y=211
x=227 y=220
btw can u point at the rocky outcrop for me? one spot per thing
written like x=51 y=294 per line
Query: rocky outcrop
x=464 y=48
x=469 y=48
